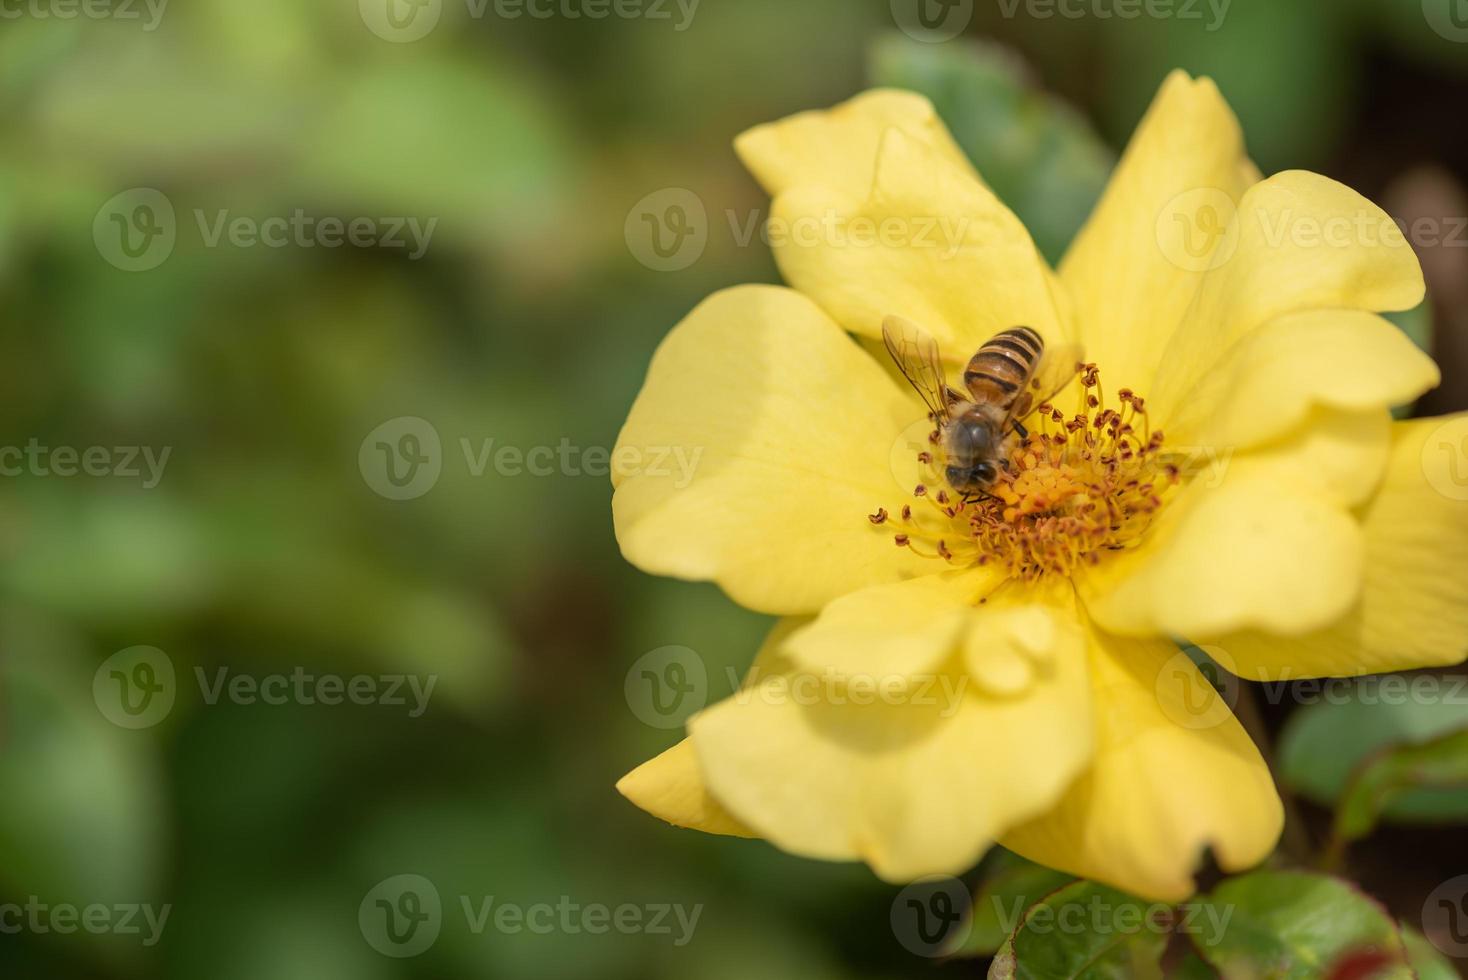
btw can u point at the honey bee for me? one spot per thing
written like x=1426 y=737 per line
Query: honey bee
x=1007 y=378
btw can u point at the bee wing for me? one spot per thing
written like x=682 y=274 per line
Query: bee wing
x=1058 y=368
x=917 y=357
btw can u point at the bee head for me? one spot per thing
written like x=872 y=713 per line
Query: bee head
x=971 y=479
x=972 y=452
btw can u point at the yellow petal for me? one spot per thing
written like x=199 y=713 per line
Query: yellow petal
x=1174 y=773
x=1269 y=381
x=914 y=782
x=671 y=788
x=1131 y=269
x=1262 y=540
x=837 y=147
x=930 y=243
x=891 y=632
x=1339 y=455
x=1413 y=610
x=1016 y=638
x=759 y=444
x=1298 y=242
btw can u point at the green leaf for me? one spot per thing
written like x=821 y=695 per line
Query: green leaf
x=1283 y=90
x=1385 y=776
x=84 y=820
x=1325 y=741
x=1416 y=323
x=1427 y=33
x=1425 y=958
x=500 y=170
x=1191 y=967
x=1290 y=925
x=1011 y=885
x=1086 y=931
x=1038 y=154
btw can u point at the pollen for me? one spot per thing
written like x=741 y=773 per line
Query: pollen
x=1076 y=489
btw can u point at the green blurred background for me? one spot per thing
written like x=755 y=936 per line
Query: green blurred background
x=268 y=544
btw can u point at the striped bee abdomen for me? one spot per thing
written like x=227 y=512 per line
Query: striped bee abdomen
x=1003 y=366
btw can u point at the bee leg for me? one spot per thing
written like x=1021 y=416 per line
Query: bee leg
x=1023 y=432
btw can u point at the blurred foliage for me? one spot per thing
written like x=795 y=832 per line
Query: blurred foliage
x=1297 y=926
x=1425 y=958
x=1328 y=743
x=1009 y=884
x=1388 y=775
x=264 y=550
x=1037 y=153
x=1276 y=924
x=1085 y=929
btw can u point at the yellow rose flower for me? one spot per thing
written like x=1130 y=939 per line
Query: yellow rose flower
x=954 y=673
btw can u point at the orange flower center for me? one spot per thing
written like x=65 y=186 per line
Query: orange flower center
x=1075 y=489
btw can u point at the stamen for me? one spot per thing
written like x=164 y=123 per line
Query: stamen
x=1066 y=497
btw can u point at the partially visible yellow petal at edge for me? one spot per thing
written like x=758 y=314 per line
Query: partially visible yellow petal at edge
x=670 y=785
x=761 y=441
x=1413 y=610
x=1267 y=383
x=1132 y=270
x=914 y=781
x=892 y=632
x=1298 y=242
x=1264 y=539
x=929 y=243
x=1174 y=774
x=671 y=788
x=837 y=147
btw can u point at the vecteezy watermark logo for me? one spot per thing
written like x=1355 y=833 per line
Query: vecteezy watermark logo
x=668 y=229
x=129 y=462
x=931 y=916
x=1372 y=689
x=1182 y=10
x=1207 y=922
x=402 y=458
x=569 y=917
x=122 y=10
x=304 y=688
x=42 y=918
x=136 y=230
x=302 y=230
x=402 y=916
x=1197 y=230
x=664 y=687
x=1445 y=916
x=1445 y=459
x=1449 y=18
x=1199 y=695
x=945 y=234
x=932 y=21
x=1201 y=229
x=400 y=21
x=135 y=688
x=667 y=685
